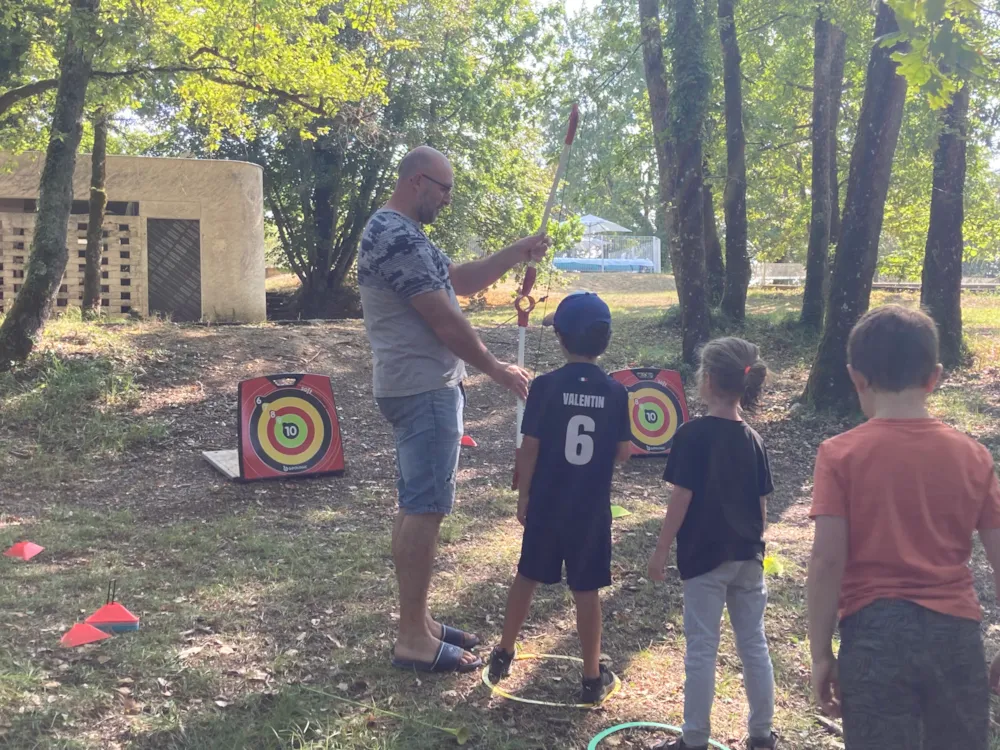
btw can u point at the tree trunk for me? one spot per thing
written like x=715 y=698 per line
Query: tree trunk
x=47 y=261
x=819 y=227
x=690 y=67
x=659 y=105
x=95 y=223
x=867 y=185
x=838 y=55
x=734 y=300
x=941 y=291
x=714 y=265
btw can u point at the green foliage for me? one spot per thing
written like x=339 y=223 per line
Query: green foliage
x=490 y=83
x=612 y=173
x=945 y=39
x=210 y=60
x=566 y=234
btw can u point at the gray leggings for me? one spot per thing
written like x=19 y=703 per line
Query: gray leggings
x=739 y=587
x=912 y=678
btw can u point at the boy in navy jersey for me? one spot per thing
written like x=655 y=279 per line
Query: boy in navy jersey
x=575 y=426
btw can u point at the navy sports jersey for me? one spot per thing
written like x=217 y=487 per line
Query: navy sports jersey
x=579 y=416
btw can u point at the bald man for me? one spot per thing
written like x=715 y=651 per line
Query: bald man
x=420 y=343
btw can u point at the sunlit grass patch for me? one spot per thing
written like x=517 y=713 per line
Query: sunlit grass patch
x=75 y=400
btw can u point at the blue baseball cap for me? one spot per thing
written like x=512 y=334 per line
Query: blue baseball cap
x=578 y=312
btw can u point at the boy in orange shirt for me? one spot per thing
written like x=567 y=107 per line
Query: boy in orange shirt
x=896 y=502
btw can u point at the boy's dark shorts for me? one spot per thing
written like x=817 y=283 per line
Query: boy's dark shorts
x=585 y=547
x=912 y=678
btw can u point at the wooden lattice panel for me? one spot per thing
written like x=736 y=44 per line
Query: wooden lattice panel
x=120 y=258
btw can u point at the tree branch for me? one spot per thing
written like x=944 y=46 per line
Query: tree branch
x=12 y=96
x=761 y=147
x=281 y=95
x=768 y=24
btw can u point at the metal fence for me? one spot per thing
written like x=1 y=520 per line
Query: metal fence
x=613 y=252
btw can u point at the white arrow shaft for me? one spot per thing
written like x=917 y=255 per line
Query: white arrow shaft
x=521 y=336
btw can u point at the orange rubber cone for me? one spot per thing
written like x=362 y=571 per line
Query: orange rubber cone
x=81 y=634
x=23 y=550
x=113 y=618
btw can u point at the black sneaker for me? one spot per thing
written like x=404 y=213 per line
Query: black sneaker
x=759 y=743
x=677 y=744
x=500 y=661
x=597 y=689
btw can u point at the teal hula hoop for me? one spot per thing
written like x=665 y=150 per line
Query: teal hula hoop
x=649 y=724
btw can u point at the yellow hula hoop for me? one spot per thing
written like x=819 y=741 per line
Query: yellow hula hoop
x=527 y=657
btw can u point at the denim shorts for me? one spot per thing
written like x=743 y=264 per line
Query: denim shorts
x=428 y=429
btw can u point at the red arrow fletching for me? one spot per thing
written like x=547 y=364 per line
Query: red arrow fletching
x=574 y=121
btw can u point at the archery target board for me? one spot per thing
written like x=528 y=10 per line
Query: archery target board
x=657 y=407
x=288 y=428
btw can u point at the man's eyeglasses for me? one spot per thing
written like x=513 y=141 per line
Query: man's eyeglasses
x=443 y=186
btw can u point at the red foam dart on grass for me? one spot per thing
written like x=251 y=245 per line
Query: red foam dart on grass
x=468 y=442
x=82 y=634
x=23 y=550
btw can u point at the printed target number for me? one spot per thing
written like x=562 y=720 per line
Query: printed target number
x=580 y=445
x=655 y=416
x=656 y=408
x=290 y=430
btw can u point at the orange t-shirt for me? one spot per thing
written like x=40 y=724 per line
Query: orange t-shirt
x=913 y=491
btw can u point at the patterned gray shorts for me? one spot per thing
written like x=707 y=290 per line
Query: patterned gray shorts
x=912 y=678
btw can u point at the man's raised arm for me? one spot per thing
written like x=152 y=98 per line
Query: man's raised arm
x=475 y=276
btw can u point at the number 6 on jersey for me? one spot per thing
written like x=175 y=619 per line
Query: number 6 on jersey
x=580 y=445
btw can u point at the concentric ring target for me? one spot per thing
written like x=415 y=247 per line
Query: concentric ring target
x=656 y=414
x=290 y=430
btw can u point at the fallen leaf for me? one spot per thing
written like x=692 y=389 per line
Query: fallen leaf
x=52 y=685
x=227 y=650
x=221 y=704
x=124 y=691
x=190 y=652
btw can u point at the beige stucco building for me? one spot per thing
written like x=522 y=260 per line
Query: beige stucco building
x=183 y=238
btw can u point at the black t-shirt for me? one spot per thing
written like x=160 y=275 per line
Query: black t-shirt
x=724 y=464
x=579 y=416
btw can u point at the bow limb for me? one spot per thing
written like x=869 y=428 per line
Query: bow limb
x=524 y=303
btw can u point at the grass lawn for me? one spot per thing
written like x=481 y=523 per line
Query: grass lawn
x=268 y=610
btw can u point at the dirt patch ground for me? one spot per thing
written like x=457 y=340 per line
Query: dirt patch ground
x=268 y=609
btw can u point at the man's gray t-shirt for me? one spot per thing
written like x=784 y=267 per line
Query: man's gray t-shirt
x=395 y=263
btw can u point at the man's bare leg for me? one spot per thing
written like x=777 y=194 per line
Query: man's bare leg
x=414 y=548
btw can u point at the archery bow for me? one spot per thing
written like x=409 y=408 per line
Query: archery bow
x=524 y=303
